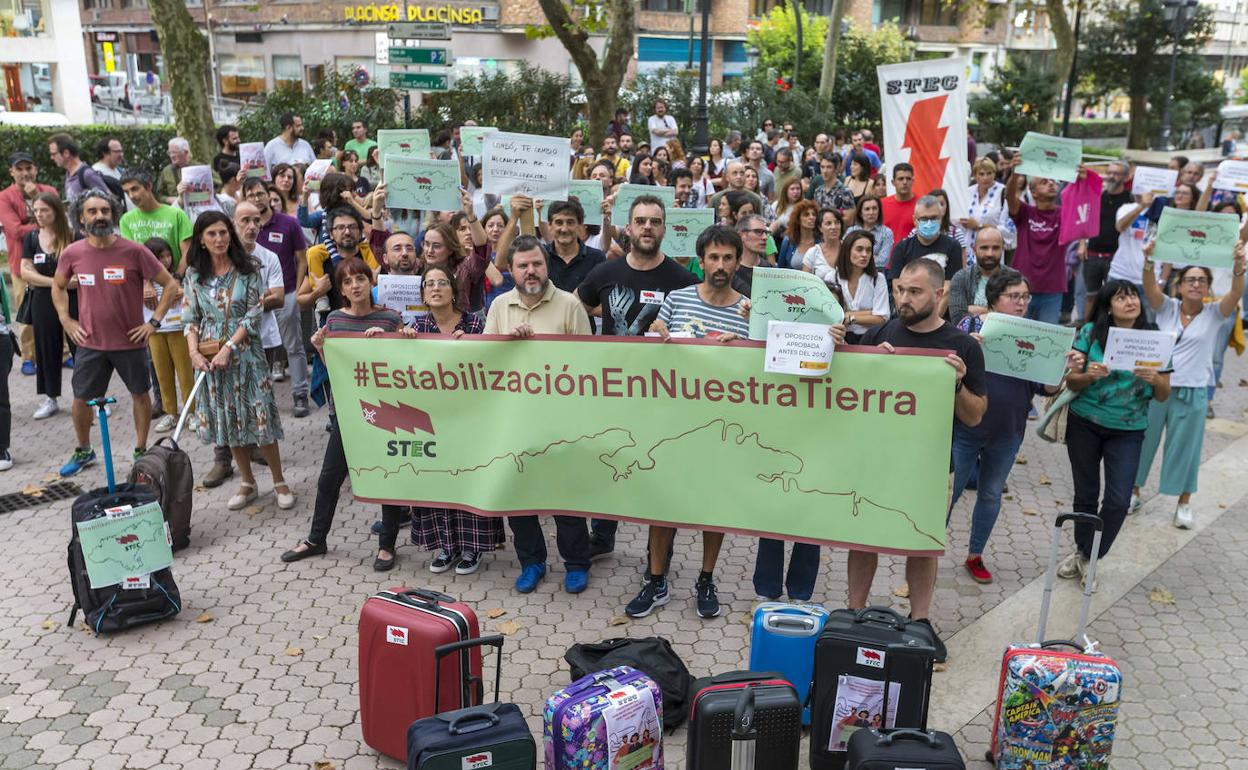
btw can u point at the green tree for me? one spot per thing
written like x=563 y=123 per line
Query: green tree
x=1018 y=99
x=531 y=100
x=856 y=94
x=775 y=39
x=1127 y=49
x=186 y=64
x=334 y=102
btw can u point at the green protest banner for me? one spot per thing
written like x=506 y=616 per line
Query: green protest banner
x=1196 y=238
x=413 y=142
x=470 y=139
x=421 y=184
x=1050 y=157
x=126 y=545
x=588 y=193
x=683 y=228
x=790 y=295
x=686 y=433
x=1026 y=349
x=625 y=194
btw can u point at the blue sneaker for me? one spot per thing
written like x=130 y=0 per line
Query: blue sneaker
x=69 y=363
x=530 y=576
x=28 y=369
x=80 y=459
x=576 y=580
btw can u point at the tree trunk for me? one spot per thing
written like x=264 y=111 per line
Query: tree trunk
x=186 y=65
x=827 y=78
x=1064 y=55
x=1137 y=129
x=601 y=79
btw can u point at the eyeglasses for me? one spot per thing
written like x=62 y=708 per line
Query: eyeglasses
x=1018 y=296
x=756 y=231
x=344 y=228
x=438 y=283
x=1196 y=280
x=929 y=219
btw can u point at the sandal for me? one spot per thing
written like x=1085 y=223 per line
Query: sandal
x=285 y=500
x=312 y=549
x=245 y=496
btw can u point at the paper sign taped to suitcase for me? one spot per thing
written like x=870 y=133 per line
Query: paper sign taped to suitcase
x=633 y=730
x=860 y=704
x=685 y=433
x=129 y=544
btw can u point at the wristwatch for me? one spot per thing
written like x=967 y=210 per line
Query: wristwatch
x=154 y=322
x=230 y=344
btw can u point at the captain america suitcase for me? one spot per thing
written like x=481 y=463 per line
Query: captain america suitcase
x=1057 y=709
x=400 y=630
x=782 y=639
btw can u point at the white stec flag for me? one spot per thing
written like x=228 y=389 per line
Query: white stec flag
x=924 y=109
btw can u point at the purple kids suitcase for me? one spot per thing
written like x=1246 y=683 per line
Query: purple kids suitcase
x=616 y=713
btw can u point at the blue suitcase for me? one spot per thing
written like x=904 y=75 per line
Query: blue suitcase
x=783 y=640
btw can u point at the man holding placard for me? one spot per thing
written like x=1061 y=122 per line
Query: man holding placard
x=571 y=261
x=1040 y=256
x=152 y=219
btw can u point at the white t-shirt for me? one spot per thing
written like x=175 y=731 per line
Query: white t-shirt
x=872 y=296
x=1128 y=261
x=814 y=260
x=655 y=122
x=271 y=274
x=1192 y=359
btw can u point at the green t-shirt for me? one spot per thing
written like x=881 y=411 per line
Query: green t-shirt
x=1119 y=400
x=168 y=223
x=360 y=148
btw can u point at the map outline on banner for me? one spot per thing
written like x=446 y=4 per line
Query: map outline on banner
x=593 y=208
x=1049 y=157
x=410 y=142
x=793 y=299
x=122 y=530
x=436 y=184
x=1203 y=238
x=634 y=455
x=1027 y=356
x=628 y=192
x=679 y=231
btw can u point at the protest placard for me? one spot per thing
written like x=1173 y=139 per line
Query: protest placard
x=790 y=295
x=1196 y=238
x=401 y=293
x=251 y=160
x=409 y=142
x=798 y=348
x=1128 y=349
x=683 y=228
x=315 y=173
x=626 y=193
x=1050 y=157
x=421 y=184
x=1158 y=181
x=130 y=543
x=198 y=182
x=1026 y=349
x=470 y=138
x=1232 y=175
x=525 y=164
x=588 y=193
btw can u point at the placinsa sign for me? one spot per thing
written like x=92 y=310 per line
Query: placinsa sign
x=450 y=14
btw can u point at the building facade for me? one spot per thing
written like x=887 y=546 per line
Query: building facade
x=41 y=57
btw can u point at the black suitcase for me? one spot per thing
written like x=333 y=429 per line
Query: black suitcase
x=777 y=720
x=904 y=748
x=852 y=650
x=493 y=735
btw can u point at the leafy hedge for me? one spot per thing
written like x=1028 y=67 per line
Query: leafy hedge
x=1084 y=128
x=333 y=103
x=145 y=146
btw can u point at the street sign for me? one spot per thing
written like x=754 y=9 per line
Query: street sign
x=422 y=30
x=421 y=81
x=420 y=55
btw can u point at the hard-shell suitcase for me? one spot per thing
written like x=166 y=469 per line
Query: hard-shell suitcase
x=494 y=735
x=1057 y=709
x=167 y=469
x=611 y=718
x=400 y=631
x=776 y=720
x=783 y=639
x=850 y=656
x=903 y=748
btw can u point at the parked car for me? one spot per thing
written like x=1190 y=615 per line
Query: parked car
x=112 y=89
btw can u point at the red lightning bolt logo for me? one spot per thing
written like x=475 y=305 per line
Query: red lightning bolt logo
x=926 y=140
x=396 y=417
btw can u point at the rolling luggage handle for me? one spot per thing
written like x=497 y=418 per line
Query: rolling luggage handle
x=100 y=404
x=1050 y=575
x=790 y=625
x=886 y=739
x=186 y=409
x=495 y=641
x=425 y=596
x=744 y=734
x=885 y=615
x=928 y=653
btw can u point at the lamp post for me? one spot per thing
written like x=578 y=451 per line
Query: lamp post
x=1074 y=70
x=1179 y=7
x=701 y=132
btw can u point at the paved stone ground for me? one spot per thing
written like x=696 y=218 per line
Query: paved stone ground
x=259 y=670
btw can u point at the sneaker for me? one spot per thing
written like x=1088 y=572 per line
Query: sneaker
x=47 y=408
x=942 y=654
x=530 y=576
x=6 y=460
x=1183 y=518
x=707 y=598
x=28 y=368
x=1209 y=412
x=68 y=363
x=165 y=424
x=1135 y=505
x=576 y=581
x=138 y=452
x=980 y=573
x=653 y=594
x=81 y=458
x=1073 y=566
x=469 y=562
x=442 y=562
x=1083 y=581
x=301 y=407
x=279 y=371
x=598 y=548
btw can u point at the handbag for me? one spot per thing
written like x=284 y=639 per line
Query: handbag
x=210 y=348
x=23 y=309
x=1052 y=424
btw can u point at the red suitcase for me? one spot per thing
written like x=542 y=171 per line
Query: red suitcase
x=399 y=631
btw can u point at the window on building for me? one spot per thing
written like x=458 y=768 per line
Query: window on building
x=26 y=88
x=888 y=10
x=23 y=18
x=133 y=3
x=288 y=72
x=97 y=4
x=938 y=13
x=673 y=6
x=977 y=67
x=242 y=77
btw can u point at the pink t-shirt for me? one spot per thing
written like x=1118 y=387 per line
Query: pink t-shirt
x=110 y=289
x=1040 y=256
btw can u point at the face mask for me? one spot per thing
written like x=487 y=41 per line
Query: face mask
x=928 y=228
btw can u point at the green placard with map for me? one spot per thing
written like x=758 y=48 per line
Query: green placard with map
x=607 y=427
x=683 y=228
x=470 y=139
x=125 y=545
x=421 y=184
x=413 y=142
x=627 y=193
x=1196 y=238
x=790 y=295
x=588 y=193
x=1026 y=349
x=1050 y=157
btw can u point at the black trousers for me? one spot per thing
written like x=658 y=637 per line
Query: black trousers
x=49 y=340
x=6 y=365
x=328 y=488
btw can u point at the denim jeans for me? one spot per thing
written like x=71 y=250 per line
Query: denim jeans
x=769 y=570
x=571 y=536
x=328 y=488
x=1045 y=307
x=994 y=458
x=1091 y=446
x=1219 y=355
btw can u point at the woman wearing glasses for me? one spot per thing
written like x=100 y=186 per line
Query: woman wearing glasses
x=1182 y=416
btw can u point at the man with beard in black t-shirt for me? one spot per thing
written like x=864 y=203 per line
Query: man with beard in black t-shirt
x=628 y=293
x=919 y=291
